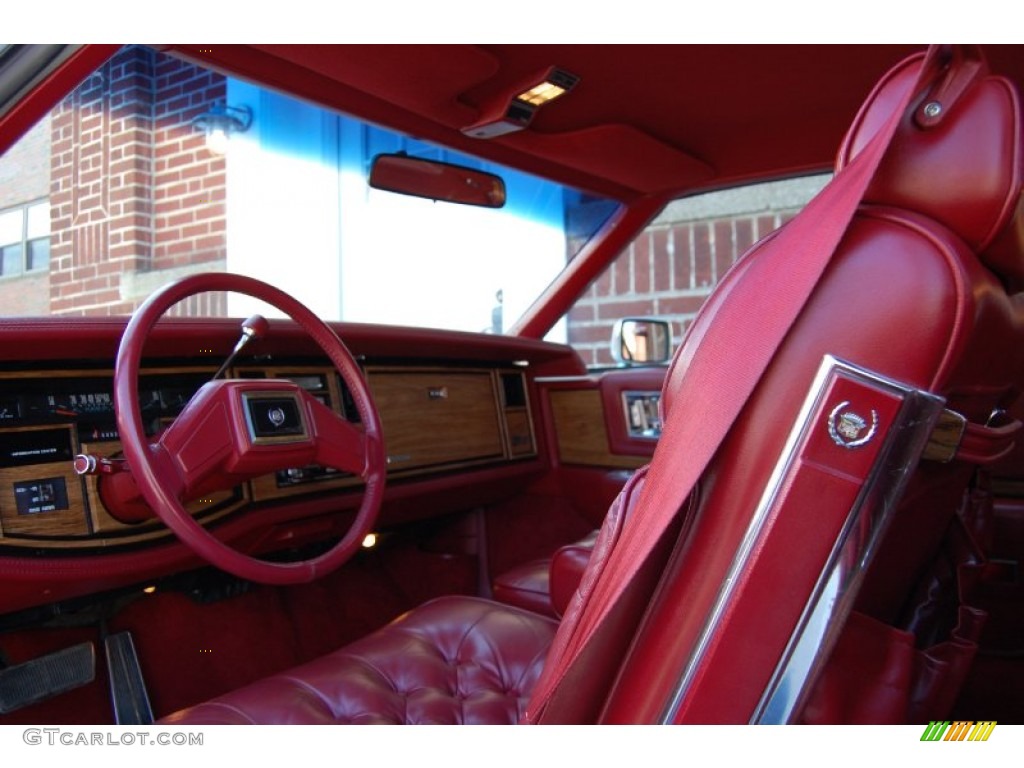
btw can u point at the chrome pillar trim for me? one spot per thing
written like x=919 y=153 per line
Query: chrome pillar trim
x=832 y=597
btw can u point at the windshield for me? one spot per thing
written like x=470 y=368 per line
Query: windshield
x=155 y=168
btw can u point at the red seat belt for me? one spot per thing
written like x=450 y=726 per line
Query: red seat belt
x=752 y=314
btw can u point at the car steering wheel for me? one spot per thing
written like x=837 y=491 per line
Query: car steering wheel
x=234 y=429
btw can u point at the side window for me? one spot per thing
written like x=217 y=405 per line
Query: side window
x=669 y=270
x=24 y=238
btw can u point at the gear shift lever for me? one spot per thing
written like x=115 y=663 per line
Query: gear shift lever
x=255 y=327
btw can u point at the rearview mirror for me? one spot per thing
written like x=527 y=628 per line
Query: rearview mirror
x=435 y=180
x=641 y=340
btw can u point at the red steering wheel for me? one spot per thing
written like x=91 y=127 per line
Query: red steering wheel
x=234 y=429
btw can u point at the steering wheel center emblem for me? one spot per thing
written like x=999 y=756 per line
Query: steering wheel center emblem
x=276 y=416
x=849 y=429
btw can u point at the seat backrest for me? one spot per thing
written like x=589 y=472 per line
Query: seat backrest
x=962 y=187
x=919 y=291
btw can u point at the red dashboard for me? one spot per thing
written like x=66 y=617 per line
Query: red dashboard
x=468 y=420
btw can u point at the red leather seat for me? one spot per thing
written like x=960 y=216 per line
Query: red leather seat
x=454 y=660
x=546 y=585
x=920 y=291
x=924 y=289
x=526 y=586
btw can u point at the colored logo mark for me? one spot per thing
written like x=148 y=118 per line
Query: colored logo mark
x=959 y=730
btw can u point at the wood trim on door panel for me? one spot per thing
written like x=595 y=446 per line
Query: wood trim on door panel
x=581 y=431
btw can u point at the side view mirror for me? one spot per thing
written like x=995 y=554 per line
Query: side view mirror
x=641 y=341
x=435 y=180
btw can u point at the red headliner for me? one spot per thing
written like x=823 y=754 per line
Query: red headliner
x=644 y=120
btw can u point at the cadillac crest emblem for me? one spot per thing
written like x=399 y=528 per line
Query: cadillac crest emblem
x=848 y=428
x=277 y=416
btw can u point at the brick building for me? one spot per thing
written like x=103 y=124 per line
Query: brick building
x=134 y=198
x=24 y=190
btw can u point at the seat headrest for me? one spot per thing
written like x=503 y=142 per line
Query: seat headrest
x=959 y=163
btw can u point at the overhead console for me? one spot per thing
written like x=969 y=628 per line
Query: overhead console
x=436 y=419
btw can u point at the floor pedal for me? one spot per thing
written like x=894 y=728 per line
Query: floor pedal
x=127 y=688
x=39 y=679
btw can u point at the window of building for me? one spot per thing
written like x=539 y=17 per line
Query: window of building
x=25 y=239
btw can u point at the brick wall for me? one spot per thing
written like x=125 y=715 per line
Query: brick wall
x=132 y=188
x=25 y=295
x=189 y=181
x=670 y=269
x=25 y=167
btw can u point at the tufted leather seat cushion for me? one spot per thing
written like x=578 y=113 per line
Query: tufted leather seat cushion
x=454 y=660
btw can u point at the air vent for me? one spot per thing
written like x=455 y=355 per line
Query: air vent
x=519 y=441
x=514 y=390
x=348 y=403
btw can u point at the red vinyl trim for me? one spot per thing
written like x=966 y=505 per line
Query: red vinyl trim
x=30 y=109
x=588 y=265
x=201 y=340
x=613 y=385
